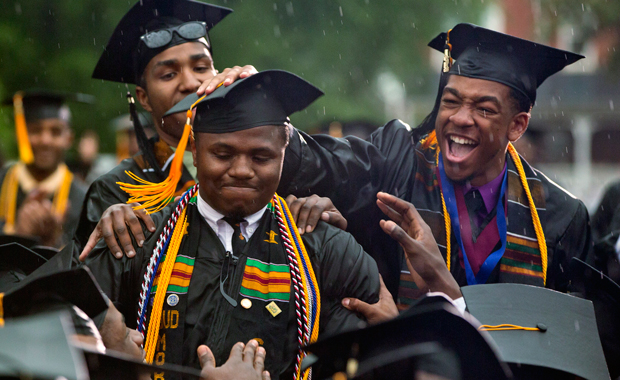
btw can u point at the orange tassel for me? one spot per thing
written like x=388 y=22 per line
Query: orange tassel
x=154 y=196
x=21 y=132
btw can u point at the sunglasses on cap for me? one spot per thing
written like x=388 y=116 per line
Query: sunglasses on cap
x=191 y=30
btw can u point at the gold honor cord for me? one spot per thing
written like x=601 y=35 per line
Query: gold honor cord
x=164 y=279
x=10 y=188
x=506 y=327
x=431 y=139
x=1 y=310
x=154 y=196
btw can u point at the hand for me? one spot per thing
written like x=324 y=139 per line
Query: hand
x=115 y=221
x=307 y=212
x=118 y=337
x=382 y=311
x=415 y=236
x=228 y=76
x=36 y=217
x=246 y=362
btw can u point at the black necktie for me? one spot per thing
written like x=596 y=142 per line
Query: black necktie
x=476 y=210
x=238 y=242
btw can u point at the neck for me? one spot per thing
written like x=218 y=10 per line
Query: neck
x=495 y=168
x=40 y=174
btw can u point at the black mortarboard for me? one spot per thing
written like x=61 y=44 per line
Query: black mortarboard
x=485 y=54
x=38 y=347
x=72 y=287
x=17 y=262
x=266 y=98
x=563 y=335
x=114 y=365
x=42 y=104
x=125 y=57
x=394 y=349
x=605 y=295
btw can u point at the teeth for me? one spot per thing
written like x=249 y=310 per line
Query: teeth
x=461 y=140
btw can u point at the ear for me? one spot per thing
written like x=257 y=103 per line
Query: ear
x=143 y=98
x=192 y=144
x=518 y=126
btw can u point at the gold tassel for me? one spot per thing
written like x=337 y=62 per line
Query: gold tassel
x=21 y=132
x=154 y=196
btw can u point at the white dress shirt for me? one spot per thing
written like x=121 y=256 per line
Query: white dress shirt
x=223 y=230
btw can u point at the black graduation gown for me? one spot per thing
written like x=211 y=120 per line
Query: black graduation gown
x=605 y=212
x=341 y=266
x=104 y=192
x=77 y=192
x=351 y=171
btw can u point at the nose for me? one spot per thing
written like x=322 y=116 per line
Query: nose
x=189 y=81
x=463 y=117
x=241 y=168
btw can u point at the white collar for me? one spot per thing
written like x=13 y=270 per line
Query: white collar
x=222 y=229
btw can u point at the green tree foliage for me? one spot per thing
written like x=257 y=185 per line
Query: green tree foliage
x=341 y=46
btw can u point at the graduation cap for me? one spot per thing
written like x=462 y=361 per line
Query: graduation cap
x=75 y=287
x=37 y=104
x=539 y=330
x=17 y=262
x=126 y=55
x=38 y=347
x=265 y=98
x=485 y=54
x=430 y=336
x=605 y=295
x=113 y=365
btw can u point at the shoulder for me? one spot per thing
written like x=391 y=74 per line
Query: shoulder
x=327 y=243
x=393 y=134
x=563 y=208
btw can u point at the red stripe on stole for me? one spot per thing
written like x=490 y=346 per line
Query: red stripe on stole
x=263 y=281
x=176 y=273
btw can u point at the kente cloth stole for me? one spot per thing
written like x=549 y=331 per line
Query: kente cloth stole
x=267 y=279
x=10 y=190
x=521 y=262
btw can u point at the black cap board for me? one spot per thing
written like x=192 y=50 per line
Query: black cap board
x=113 y=365
x=265 y=98
x=125 y=57
x=37 y=347
x=395 y=348
x=16 y=256
x=605 y=295
x=564 y=336
x=486 y=54
x=42 y=104
x=71 y=287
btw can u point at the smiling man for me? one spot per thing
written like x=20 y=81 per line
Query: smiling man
x=494 y=217
x=163 y=47
x=234 y=266
x=40 y=197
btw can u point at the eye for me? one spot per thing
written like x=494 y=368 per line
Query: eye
x=168 y=76
x=261 y=159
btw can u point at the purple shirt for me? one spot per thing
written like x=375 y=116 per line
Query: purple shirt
x=489 y=192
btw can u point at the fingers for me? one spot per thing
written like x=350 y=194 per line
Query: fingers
x=131 y=220
x=335 y=219
x=249 y=351
x=410 y=245
x=207 y=360
x=389 y=212
x=106 y=228
x=359 y=306
x=404 y=208
x=226 y=77
x=266 y=376
x=94 y=237
x=309 y=214
x=259 y=360
x=236 y=352
x=121 y=231
x=146 y=218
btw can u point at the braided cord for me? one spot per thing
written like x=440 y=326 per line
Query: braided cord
x=505 y=327
x=540 y=235
x=164 y=279
x=307 y=303
x=161 y=246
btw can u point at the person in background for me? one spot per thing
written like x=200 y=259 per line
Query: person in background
x=39 y=196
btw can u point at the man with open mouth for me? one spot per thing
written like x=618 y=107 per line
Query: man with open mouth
x=494 y=217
